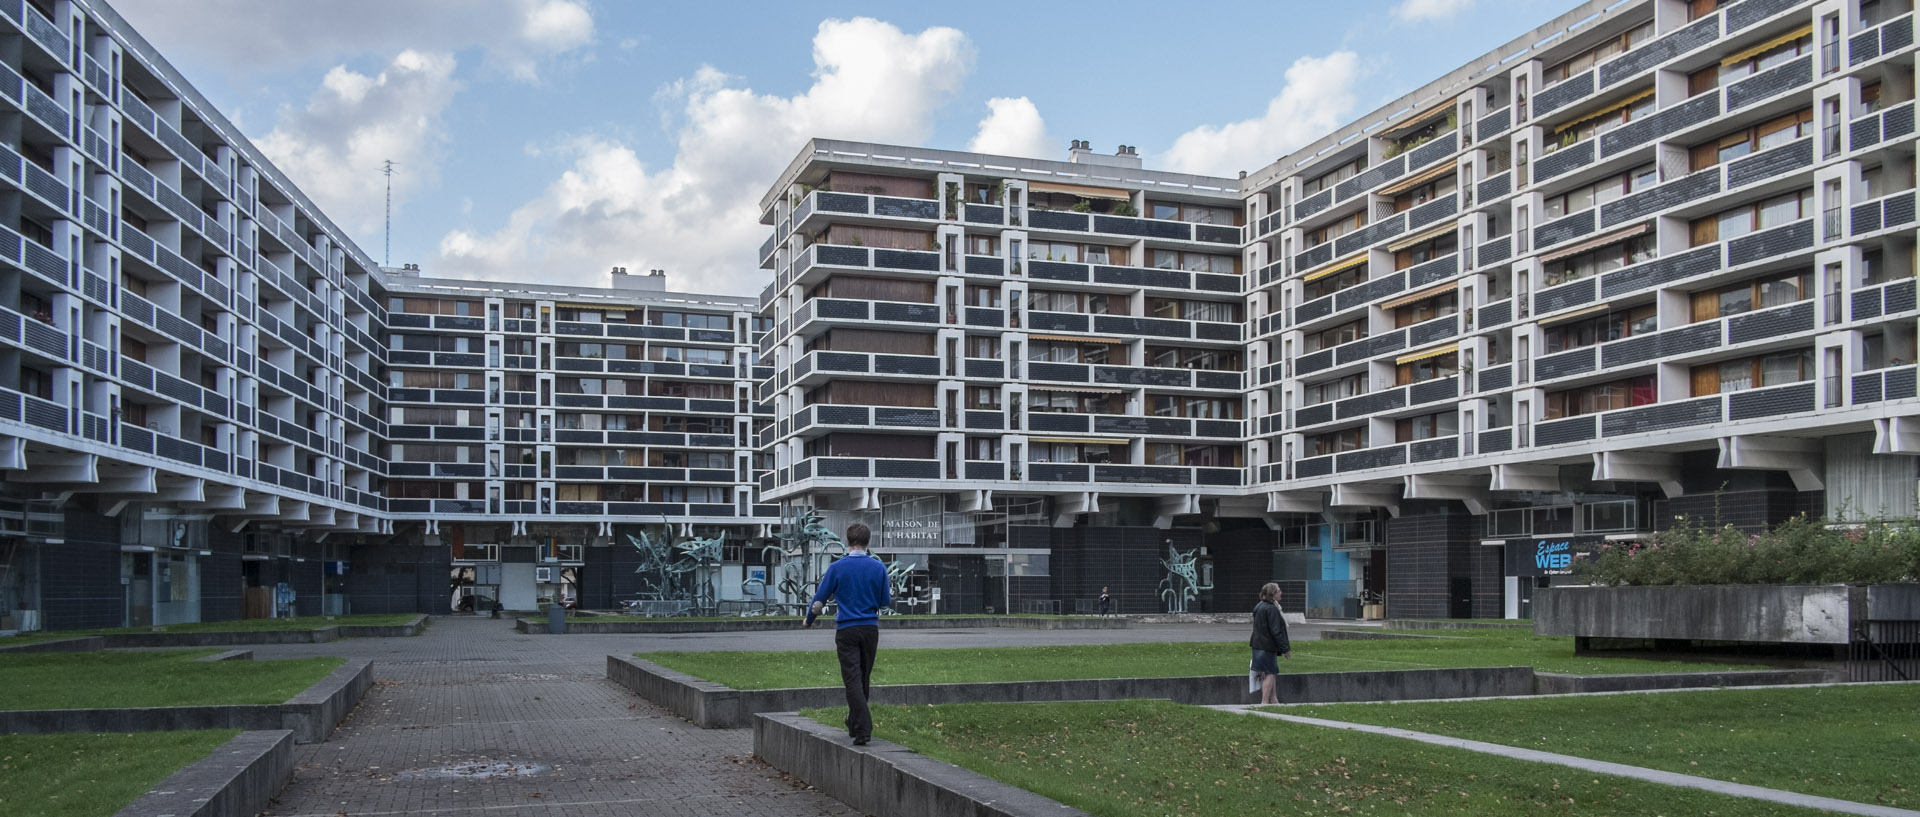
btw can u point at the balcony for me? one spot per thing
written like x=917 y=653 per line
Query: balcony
x=1880 y=40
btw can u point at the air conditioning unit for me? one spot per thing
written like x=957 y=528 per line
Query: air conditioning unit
x=543 y=575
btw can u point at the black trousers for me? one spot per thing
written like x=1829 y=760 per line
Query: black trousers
x=856 y=647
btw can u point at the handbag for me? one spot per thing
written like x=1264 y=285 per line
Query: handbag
x=1253 y=680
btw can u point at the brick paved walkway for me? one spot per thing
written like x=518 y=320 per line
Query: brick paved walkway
x=470 y=693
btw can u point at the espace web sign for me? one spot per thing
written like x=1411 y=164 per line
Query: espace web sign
x=1548 y=556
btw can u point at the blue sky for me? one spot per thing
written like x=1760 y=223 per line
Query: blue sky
x=553 y=139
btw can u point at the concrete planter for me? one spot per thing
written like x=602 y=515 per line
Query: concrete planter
x=1767 y=614
x=310 y=716
x=318 y=635
x=717 y=706
x=239 y=779
x=664 y=626
x=888 y=779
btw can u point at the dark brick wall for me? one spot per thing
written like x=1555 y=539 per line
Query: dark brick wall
x=1429 y=545
x=393 y=579
x=1749 y=500
x=80 y=584
x=305 y=578
x=1242 y=561
x=962 y=583
x=80 y=578
x=221 y=591
x=1126 y=560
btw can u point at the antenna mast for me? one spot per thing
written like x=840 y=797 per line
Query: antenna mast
x=386 y=168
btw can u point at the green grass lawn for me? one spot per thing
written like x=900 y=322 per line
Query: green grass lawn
x=1854 y=743
x=80 y=775
x=1466 y=648
x=256 y=625
x=90 y=680
x=1128 y=758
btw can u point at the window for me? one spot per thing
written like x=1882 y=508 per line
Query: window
x=1613 y=326
x=1334 y=442
x=983 y=296
x=1750 y=140
x=1203 y=456
x=1328 y=338
x=985 y=348
x=1594 y=124
x=1739 y=221
x=1600 y=192
x=1869 y=99
x=1607 y=49
x=1772 y=290
x=1600 y=261
x=1061 y=351
x=1208 y=408
x=1581 y=400
x=1329 y=284
x=1748 y=64
x=1426 y=309
x=982 y=245
x=1339 y=389
x=1430 y=368
x=1193 y=213
x=1215 y=360
x=1091 y=303
x=1179 y=309
x=1427 y=426
x=1194 y=261
x=1426 y=251
x=1326 y=181
x=1753 y=372
x=1344 y=225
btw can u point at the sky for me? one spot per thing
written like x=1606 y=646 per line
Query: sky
x=552 y=140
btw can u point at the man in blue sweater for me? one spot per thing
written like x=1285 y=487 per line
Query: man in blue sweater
x=858 y=583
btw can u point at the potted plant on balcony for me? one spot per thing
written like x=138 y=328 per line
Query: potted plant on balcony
x=1124 y=208
x=1082 y=206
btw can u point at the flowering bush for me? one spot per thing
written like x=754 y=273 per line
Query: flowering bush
x=1801 y=550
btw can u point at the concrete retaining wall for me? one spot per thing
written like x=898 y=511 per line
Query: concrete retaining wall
x=588 y=626
x=1429 y=624
x=1553 y=683
x=239 y=779
x=887 y=779
x=318 y=635
x=310 y=716
x=92 y=643
x=716 y=706
x=1776 y=614
x=1372 y=635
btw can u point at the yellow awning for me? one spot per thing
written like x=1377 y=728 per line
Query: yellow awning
x=1079 y=441
x=1421 y=296
x=1769 y=45
x=1078 y=389
x=1422 y=116
x=1421 y=238
x=1596 y=243
x=1078 y=339
x=1419 y=179
x=1343 y=265
x=1580 y=313
x=1434 y=352
x=1080 y=190
x=1617 y=106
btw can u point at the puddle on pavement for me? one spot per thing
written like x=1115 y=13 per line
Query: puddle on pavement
x=475 y=770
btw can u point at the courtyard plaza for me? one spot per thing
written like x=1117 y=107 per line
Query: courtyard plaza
x=472 y=718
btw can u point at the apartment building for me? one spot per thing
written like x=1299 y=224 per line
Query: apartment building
x=214 y=404
x=1652 y=261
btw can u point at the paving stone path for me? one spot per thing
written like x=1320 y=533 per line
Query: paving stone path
x=472 y=719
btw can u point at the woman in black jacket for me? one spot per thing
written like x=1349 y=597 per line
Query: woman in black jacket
x=1269 y=642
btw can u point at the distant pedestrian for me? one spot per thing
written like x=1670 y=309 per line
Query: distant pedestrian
x=1269 y=642
x=1106 y=602
x=858 y=584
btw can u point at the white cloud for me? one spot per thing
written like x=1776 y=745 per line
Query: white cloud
x=698 y=218
x=333 y=147
x=1317 y=97
x=1013 y=127
x=251 y=35
x=1418 y=10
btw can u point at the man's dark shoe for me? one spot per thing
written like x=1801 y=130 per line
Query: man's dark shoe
x=860 y=741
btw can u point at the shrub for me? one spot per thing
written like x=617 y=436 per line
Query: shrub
x=1802 y=550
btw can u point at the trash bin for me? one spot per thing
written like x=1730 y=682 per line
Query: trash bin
x=557 y=619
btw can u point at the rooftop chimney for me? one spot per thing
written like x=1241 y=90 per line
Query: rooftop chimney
x=653 y=281
x=1081 y=153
